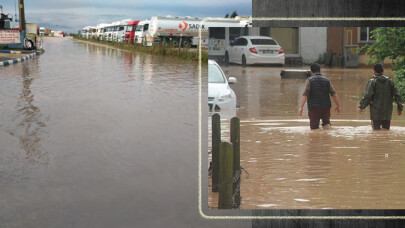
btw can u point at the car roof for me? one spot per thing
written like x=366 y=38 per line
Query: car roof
x=257 y=37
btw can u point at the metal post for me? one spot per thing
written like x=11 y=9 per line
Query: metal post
x=22 y=15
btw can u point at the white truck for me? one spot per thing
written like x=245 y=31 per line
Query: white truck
x=119 y=31
x=140 y=32
x=99 y=30
x=184 y=30
x=85 y=32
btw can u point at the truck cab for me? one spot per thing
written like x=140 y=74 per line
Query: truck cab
x=42 y=31
x=141 y=31
x=108 y=33
x=130 y=32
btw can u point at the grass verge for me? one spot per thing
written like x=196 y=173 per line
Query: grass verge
x=161 y=49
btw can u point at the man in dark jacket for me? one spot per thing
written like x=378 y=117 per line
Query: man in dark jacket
x=380 y=93
x=317 y=91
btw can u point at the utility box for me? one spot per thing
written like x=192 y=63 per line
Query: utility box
x=351 y=57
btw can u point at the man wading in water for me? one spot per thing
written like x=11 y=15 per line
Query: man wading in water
x=317 y=90
x=379 y=94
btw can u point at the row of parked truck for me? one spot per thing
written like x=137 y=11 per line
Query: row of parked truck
x=182 y=31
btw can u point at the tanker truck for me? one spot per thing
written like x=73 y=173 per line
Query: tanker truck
x=184 y=30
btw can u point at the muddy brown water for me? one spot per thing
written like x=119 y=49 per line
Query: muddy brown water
x=92 y=136
x=291 y=167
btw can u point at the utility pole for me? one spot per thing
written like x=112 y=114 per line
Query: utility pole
x=22 y=15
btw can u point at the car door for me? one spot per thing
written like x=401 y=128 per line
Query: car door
x=241 y=49
x=233 y=52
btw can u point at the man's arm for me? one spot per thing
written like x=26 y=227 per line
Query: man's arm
x=398 y=100
x=304 y=96
x=336 y=100
x=335 y=97
x=368 y=96
x=303 y=101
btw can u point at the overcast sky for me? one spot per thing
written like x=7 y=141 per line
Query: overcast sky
x=72 y=15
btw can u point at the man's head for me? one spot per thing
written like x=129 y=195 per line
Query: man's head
x=378 y=69
x=315 y=68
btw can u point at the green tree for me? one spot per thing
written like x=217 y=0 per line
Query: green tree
x=234 y=14
x=389 y=44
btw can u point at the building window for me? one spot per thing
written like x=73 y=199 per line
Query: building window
x=365 y=34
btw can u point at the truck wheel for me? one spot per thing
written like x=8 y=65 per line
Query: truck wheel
x=175 y=43
x=226 y=58
x=186 y=43
x=243 y=61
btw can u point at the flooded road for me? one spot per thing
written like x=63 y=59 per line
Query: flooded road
x=92 y=136
x=291 y=167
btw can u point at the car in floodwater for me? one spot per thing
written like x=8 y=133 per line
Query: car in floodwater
x=220 y=94
x=246 y=50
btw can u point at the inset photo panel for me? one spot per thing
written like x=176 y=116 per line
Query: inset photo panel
x=306 y=118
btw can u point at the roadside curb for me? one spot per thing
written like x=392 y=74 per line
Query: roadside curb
x=17 y=60
x=16 y=52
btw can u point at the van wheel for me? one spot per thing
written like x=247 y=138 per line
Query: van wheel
x=243 y=61
x=226 y=58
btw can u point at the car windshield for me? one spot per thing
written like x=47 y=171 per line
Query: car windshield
x=215 y=74
x=263 y=42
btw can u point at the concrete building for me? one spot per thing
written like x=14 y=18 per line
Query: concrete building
x=302 y=45
x=57 y=33
x=342 y=40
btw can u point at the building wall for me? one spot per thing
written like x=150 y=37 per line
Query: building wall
x=313 y=43
x=287 y=38
x=351 y=36
x=31 y=28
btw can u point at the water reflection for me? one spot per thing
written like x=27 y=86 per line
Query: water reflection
x=92 y=118
x=30 y=122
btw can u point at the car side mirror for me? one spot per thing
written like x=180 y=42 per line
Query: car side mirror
x=232 y=80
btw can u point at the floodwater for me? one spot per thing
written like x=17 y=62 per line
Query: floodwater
x=92 y=136
x=291 y=167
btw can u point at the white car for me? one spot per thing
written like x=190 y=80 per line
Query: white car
x=220 y=95
x=247 y=50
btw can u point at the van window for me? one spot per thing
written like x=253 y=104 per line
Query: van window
x=217 y=33
x=121 y=28
x=145 y=27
